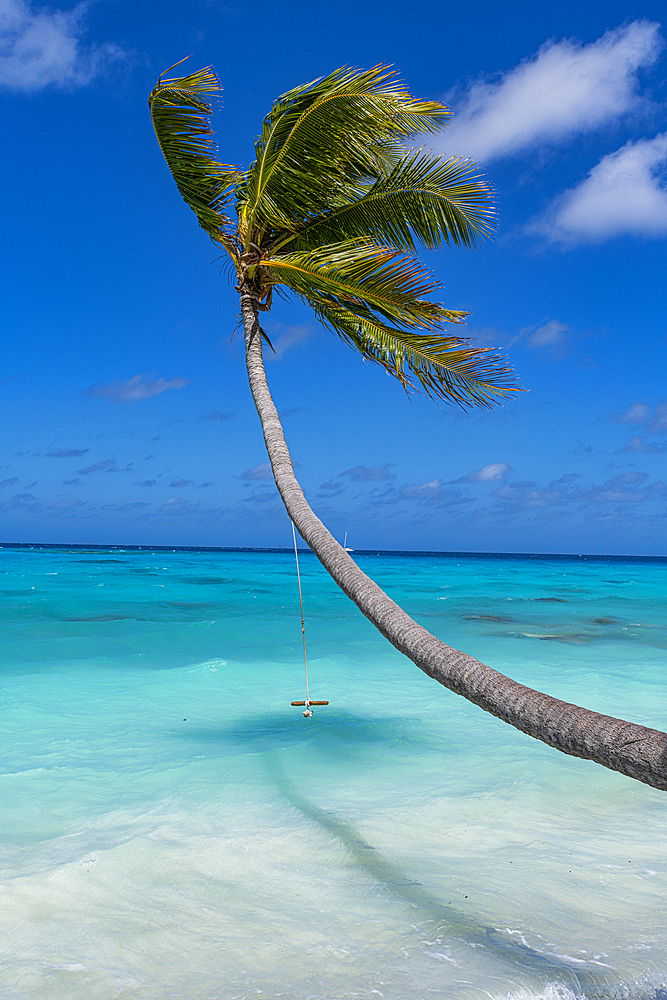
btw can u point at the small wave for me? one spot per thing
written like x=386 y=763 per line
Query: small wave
x=637 y=990
x=552 y=991
x=209 y=666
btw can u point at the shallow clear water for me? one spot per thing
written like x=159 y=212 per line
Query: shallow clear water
x=171 y=827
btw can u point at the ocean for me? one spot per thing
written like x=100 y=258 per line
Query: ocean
x=172 y=828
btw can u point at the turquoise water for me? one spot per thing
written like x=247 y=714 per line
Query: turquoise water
x=171 y=827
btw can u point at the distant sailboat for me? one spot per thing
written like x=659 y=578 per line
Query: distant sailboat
x=345 y=544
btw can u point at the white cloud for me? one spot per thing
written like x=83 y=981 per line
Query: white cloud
x=551 y=334
x=640 y=413
x=261 y=471
x=290 y=336
x=41 y=47
x=526 y=496
x=626 y=488
x=175 y=506
x=636 y=413
x=625 y=194
x=369 y=473
x=637 y=443
x=422 y=490
x=564 y=90
x=135 y=389
x=658 y=424
x=487 y=474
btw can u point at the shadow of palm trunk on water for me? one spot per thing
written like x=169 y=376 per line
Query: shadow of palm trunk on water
x=515 y=955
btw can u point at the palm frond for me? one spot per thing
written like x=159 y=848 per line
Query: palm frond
x=180 y=115
x=320 y=138
x=365 y=274
x=422 y=199
x=334 y=207
x=446 y=368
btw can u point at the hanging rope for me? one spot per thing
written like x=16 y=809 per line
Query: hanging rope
x=303 y=624
x=307 y=703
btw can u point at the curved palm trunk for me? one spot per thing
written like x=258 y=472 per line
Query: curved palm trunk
x=636 y=751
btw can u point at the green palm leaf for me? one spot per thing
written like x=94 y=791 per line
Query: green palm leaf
x=320 y=139
x=423 y=197
x=443 y=367
x=364 y=272
x=180 y=116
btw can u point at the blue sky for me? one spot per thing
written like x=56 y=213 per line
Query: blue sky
x=125 y=410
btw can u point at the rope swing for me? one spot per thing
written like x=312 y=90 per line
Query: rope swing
x=307 y=714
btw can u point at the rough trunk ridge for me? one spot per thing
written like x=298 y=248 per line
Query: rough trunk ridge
x=633 y=750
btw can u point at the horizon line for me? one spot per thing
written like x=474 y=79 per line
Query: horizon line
x=307 y=550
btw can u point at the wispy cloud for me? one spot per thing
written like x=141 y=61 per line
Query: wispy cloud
x=487 y=474
x=655 y=420
x=66 y=504
x=260 y=498
x=67 y=452
x=217 y=415
x=22 y=501
x=135 y=389
x=565 y=89
x=20 y=377
x=625 y=194
x=107 y=465
x=529 y=496
x=331 y=489
x=551 y=338
x=261 y=471
x=179 y=483
x=639 y=445
x=550 y=335
x=627 y=488
x=615 y=498
x=636 y=413
x=126 y=506
x=430 y=494
x=290 y=336
x=421 y=490
x=369 y=473
x=658 y=422
x=566 y=479
x=42 y=47
x=8 y=482
x=177 y=507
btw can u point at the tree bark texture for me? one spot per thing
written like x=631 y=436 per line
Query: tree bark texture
x=633 y=750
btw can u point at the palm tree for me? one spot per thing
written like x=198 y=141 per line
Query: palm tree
x=331 y=211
